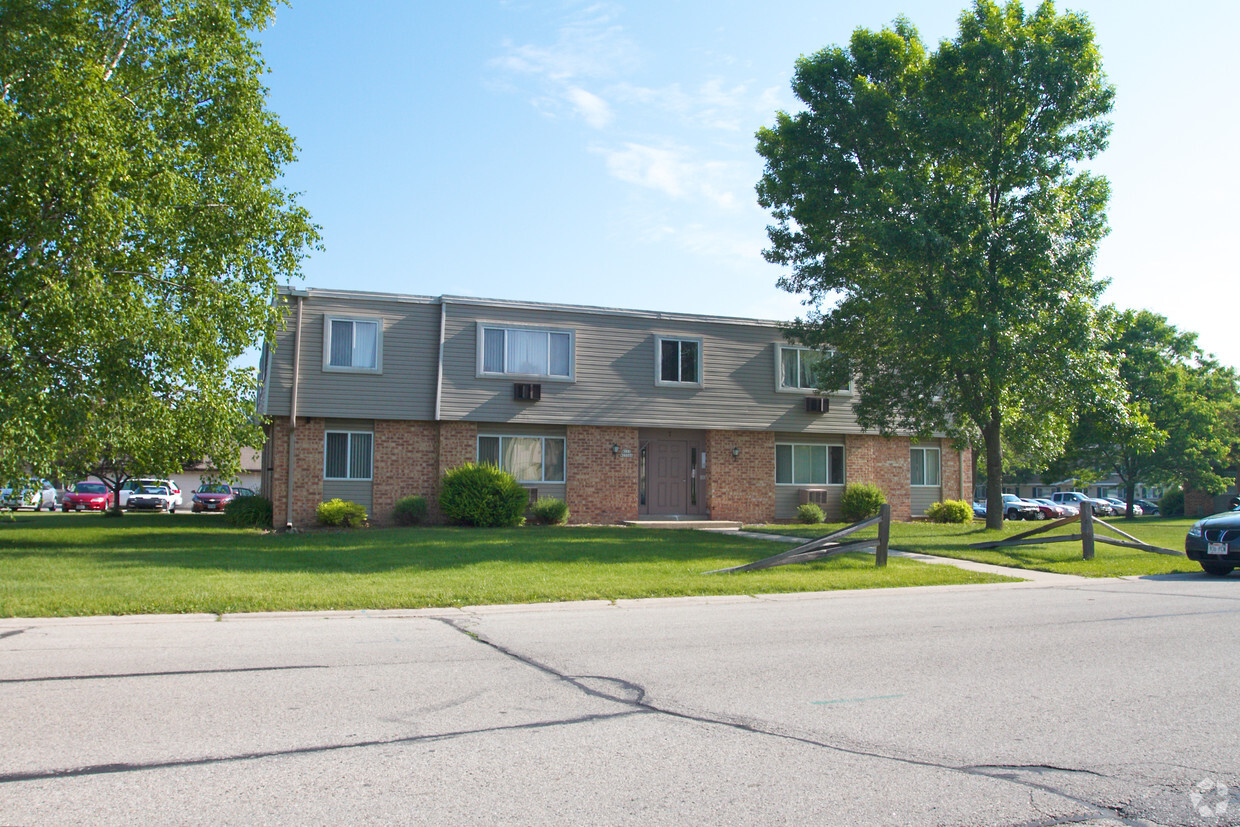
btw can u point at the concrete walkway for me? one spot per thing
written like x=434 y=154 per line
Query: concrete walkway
x=1044 y=577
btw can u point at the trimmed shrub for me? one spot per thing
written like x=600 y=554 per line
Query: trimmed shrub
x=409 y=511
x=550 y=511
x=249 y=512
x=861 y=501
x=950 y=511
x=341 y=512
x=482 y=495
x=1172 y=503
x=810 y=513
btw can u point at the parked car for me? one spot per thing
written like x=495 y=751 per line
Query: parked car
x=1014 y=508
x=214 y=496
x=138 y=483
x=1148 y=506
x=28 y=493
x=87 y=496
x=979 y=509
x=1101 y=508
x=1214 y=542
x=1121 y=508
x=244 y=492
x=1053 y=511
x=152 y=498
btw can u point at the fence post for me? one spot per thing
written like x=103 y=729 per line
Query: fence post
x=884 y=533
x=1087 y=531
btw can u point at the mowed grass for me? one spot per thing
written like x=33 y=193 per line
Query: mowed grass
x=1065 y=558
x=85 y=564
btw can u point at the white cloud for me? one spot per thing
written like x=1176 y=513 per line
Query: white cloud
x=590 y=106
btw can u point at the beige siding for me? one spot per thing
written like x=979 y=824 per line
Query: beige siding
x=614 y=381
x=922 y=497
x=788 y=498
x=410 y=350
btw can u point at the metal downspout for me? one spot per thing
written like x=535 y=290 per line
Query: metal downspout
x=292 y=419
x=443 y=316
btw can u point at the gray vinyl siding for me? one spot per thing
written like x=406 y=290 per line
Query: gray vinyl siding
x=614 y=375
x=788 y=497
x=922 y=497
x=405 y=389
x=355 y=491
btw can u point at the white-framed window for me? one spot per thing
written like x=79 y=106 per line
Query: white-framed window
x=347 y=455
x=353 y=344
x=677 y=361
x=528 y=458
x=808 y=464
x=538 y=352
x=924 y=466
x=794 y=370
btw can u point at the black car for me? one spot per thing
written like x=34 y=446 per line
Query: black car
x=1215 y=543
x=1148 y=506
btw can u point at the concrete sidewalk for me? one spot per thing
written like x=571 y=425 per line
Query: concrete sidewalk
x=1042 y=577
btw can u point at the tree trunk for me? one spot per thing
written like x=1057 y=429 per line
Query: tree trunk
x=994 y=472
x=1130 y=494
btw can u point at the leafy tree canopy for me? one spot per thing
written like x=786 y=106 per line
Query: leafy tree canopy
x=930 y=208
x=142 y=231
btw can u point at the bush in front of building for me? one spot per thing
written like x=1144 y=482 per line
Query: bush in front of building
x=340 y=512
x=410 y=511
x=483 y=496
x=861 y=501
x=249 y=512
x=550 y=511
x=810 y=513
x=950 y=511
x=1172 y=503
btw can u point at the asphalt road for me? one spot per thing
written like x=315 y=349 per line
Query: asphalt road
x=1108 y=702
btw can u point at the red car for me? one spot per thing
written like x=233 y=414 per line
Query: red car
x=212 y=497
x=87 y=496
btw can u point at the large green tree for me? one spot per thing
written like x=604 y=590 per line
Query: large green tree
x=931 y=209
x=1181 y=411
x=143 y=233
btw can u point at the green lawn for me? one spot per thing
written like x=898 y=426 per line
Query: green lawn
x=1109 y=561
x=85 y=564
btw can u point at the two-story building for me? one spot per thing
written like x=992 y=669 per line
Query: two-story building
x=624 y=414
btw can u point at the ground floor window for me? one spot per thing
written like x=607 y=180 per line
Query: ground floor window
x=924 y=466
x=347 y=455
x=528 y=458
x=809 y=464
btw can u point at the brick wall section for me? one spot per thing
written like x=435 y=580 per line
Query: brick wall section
x=601 y=486
x=307 y=475
x=741 y=487
x=406 y=463
x=1197 y=503
x=951 y=460
x=883 y=461
x=458 y=444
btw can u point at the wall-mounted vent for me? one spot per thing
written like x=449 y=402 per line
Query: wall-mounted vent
x=527 y=391
x=817 y=404
x=817 y=496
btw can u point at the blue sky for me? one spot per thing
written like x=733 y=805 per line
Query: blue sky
x=603 y=153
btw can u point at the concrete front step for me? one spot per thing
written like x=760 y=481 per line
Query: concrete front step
x=708 y=525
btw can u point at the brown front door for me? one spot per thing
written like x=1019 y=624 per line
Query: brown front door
x=669 y=476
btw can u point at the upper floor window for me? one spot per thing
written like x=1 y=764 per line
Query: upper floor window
x=809 y=464
x=795 y=370
x=353 y=345
x=520 y=351
x=528 y=458
x=678 y=361
x=347 y=455
x=924 y=466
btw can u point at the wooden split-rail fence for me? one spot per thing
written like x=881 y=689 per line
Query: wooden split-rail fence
x=1087 y=536
x=829 y=545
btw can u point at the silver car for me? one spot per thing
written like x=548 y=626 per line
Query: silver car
x=28 y=493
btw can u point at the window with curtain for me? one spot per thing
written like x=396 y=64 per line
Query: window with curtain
x=353 y=344
x=924 y=466
x=528 y=458
x=347 y=455
x=526 y=352
x=796 y=370
x=809 y=464
x=679 y=361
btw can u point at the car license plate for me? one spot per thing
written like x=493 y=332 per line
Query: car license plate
x=210 y=505
x=1217 y=548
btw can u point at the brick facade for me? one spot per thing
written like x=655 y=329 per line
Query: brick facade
x=601 y=484
x=307 y=472
x=957 y=472
x=741 y=487
x=406 y=463
x=883 y=461
x=1198 y=503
